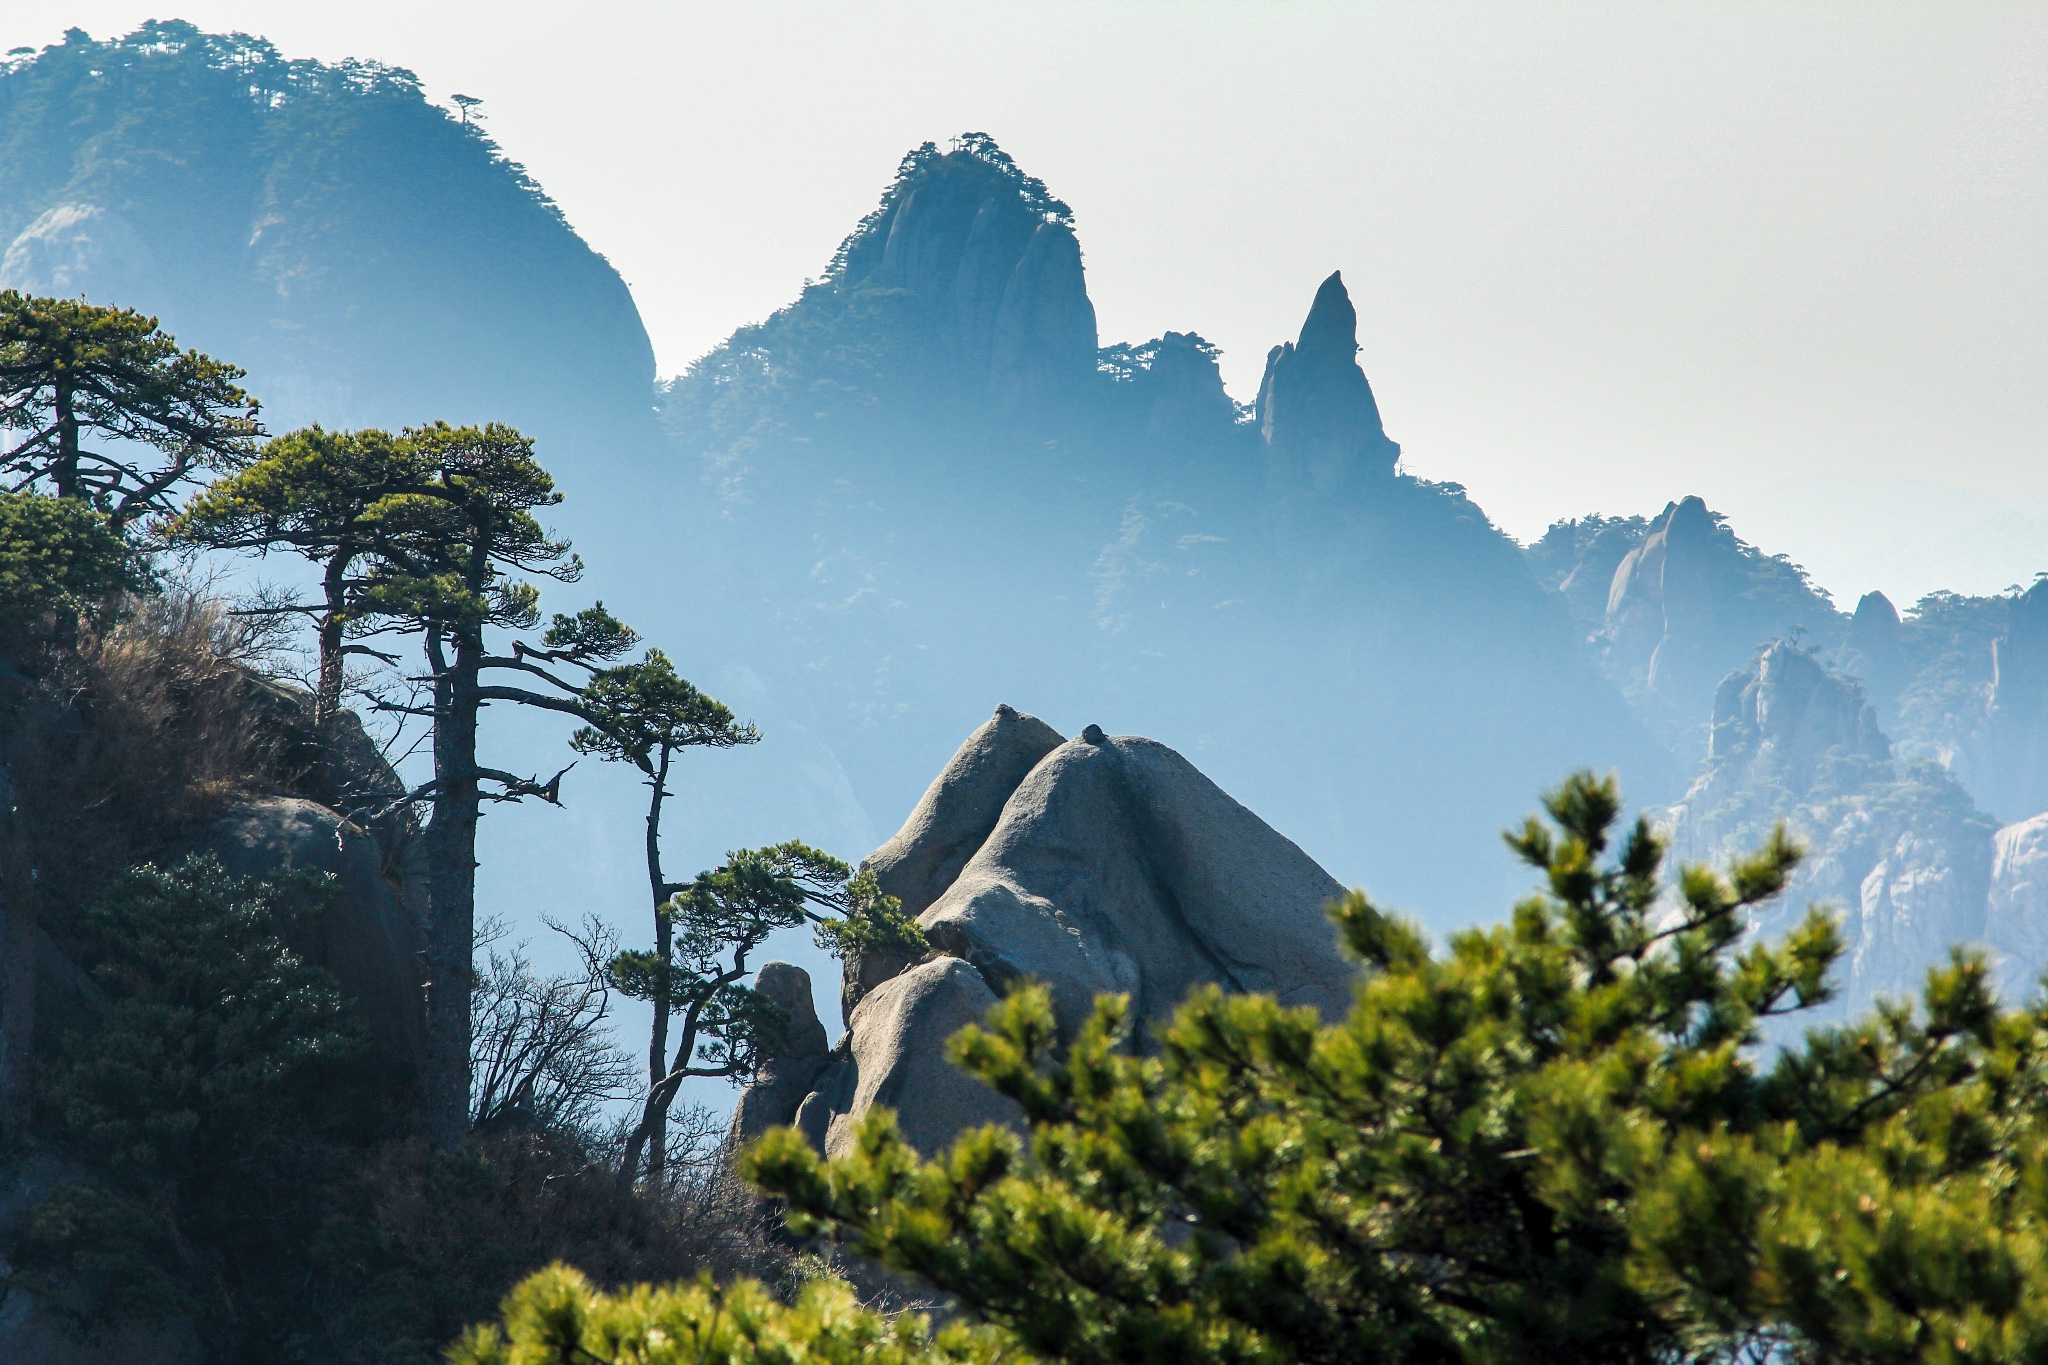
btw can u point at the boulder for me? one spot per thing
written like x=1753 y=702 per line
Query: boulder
x=1117 y=866
x=367 y=938
x=897 y=1057
x=956 y=813
x=1093 y=865
x=794 y=1061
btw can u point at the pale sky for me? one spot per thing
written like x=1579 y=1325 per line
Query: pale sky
x=1791 y=257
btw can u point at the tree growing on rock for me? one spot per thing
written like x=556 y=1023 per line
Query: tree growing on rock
x=700 y=968
x=110 y=410
x=321 y=495
x=646 y=714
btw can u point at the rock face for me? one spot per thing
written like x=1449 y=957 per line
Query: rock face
x=991 y=267
x=960 y=808
x=895 y=1055
x=792 y=1066
x=72 y=249
x=2016 y=912
x=1316 y=411
x=1182 y=388
x=1896 y=847
x=1100 y=864
x=2011 y=759
x=1875 y=651
x=1778 y=723
x=1927 y=893
x=368 y=938
x=1118 y=867
x=1691 y=602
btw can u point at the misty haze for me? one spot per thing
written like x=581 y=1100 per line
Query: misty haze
x=485 y=791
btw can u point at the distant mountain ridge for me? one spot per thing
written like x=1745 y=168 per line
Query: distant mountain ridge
x=370 y=259
x=927 y=484
x=940 y=487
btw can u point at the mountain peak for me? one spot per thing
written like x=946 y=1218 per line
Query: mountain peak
x=989 y=258
x=1316 y=411
x=1331 y=328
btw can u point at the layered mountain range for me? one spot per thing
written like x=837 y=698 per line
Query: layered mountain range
x=928 y=483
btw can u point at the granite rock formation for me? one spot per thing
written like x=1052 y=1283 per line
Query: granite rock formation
x=1691 y=603
x=368 y=936
x=1874 y=651
x=1098 y=864
x=1896 y=847
x=2009 y=764
x=1316 y=413
x=2016 y=912
x=792 y=1064
x=988 y=262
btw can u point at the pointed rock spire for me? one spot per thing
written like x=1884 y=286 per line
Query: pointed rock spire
x=1321 y=426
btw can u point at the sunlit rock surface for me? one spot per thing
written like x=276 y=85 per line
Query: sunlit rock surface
x=1101 y=864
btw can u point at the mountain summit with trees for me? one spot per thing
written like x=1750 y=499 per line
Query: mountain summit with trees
x=371 y=257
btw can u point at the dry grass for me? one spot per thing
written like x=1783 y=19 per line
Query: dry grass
x=130 y=736
x=443 y=1238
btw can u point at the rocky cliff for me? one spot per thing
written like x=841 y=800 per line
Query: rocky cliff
x=1897 y=848
x=1094 y=865
x=1316 y=413
x=2009 y=760
x=1690 y=603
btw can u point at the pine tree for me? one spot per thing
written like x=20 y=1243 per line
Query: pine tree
x=321 y=495
x=453 y=560
x=70 y=370
x=647 y=716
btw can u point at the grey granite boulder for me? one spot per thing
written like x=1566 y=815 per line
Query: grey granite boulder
x=947 y=828
x=897 y=1048
x=960 y=808
x=368 y=937
x=1095 y=865
x=1117 y=866
x=792 y=1064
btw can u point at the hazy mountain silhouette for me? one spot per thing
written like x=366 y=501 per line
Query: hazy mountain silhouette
x=942 y=493
x=927 y=485
x=368 y=258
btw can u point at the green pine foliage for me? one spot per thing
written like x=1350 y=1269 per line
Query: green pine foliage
x=207 y=1099
x=58 y=555
x=557 y=1316
x=1556 y=1138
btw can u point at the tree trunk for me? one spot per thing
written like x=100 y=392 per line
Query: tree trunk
x=327 y=695
x=66 y=473
x=657 y=1049
x=451 y=881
